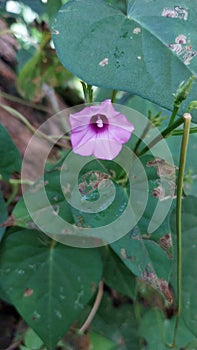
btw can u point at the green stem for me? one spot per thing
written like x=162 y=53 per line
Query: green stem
x=18 y=181
x=146 y=130
x=183 y=153
x=21 y=117
x=13 y=194
x=173 y=115
x=181 y=132
x=114 y=94
x=163 y=134
x=90 y=93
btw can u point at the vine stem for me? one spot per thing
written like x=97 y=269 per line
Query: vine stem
x=24 y=102
x=163 y=134
x=94 y=309
x=21 y=117
x=173 y=116
x=180 y=132
x=18 y=181
x=187 y=120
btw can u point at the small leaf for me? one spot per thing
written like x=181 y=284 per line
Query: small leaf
x=10 y=160
x=98 y=342
x=43 y=68
x=32 y=340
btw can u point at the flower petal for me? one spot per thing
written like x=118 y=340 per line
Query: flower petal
x=103 y=143
x=81 y=136
x=101 y=146
x=106 y=148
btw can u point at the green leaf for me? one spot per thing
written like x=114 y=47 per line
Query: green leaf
x=99 y=342
x=146 y=260
x=189 y=252
x=43 y=67
x=158 y=332
x=148 y=255
x=36 y=5
x=51 y=182
x=116 y=323
x=32 y=340
x=52 y=7
x=117 y=276
x=3 y=214
x=48 y=283
x=133 y=49
x=10 y=160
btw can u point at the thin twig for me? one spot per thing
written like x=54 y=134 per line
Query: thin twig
x=94 y=309
x=21 y=117
x=24 y=102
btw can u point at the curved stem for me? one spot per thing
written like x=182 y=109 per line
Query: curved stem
x=94 y=309
x=183 y=153
x=21 y=117
x=24 y=102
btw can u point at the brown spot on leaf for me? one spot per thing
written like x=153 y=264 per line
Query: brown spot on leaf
x=28 y=292
x=165 y=243
x=164 y=286
x=91 y=181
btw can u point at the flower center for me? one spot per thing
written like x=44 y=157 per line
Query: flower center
x=99 y=122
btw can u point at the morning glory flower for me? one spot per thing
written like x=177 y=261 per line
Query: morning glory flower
x=99 y=130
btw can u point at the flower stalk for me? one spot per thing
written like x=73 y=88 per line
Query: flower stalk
x=183 y=153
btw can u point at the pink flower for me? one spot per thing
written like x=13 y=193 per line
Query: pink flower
x=99 y=130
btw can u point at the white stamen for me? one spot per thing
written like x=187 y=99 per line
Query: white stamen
x=99 y=122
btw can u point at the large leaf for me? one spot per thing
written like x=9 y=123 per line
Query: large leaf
x=189 y=247
x=148 y=255
x=10 y=160
x=148 y=48
x=146 y=260
x=47 y=282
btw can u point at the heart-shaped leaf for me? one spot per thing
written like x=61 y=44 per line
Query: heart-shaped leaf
x=49 y=283
x=147 y=48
